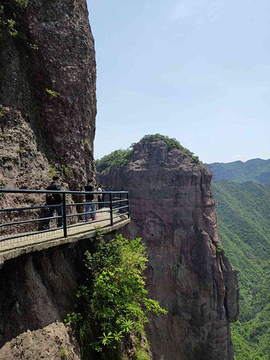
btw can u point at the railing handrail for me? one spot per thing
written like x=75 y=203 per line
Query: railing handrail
x=64 y=205
x=61 y=191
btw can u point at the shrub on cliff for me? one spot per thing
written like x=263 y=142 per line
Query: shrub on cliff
x=113 y=304
x=118 y=158
x=8 y=15
x=171 y=143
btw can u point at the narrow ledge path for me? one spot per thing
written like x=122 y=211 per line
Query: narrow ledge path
x=13 y=248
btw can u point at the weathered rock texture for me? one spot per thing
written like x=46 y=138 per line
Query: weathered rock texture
x=47 y=127
x=37 y=291
x=52 y=342
x=47 y=94
x=173 y=210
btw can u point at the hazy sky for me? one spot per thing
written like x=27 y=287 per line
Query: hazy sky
x=195 y=70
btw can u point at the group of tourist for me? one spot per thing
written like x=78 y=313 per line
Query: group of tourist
x=56 y=199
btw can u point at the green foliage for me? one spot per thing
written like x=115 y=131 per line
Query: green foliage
x=171 y=143
x=63 y=354
x=114 y=302
x=66 y=170
x=11 y=27
x=9 y=13
x=142 y=349
x=52 y=172
x=244 y=225
x=22 y=3
x=219 y=249
x=118 y=158
x=142 y=355
x=255 y=169
x=52 y=93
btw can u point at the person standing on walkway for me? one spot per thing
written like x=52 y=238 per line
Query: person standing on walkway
x=89 y=201
x=54 y=199
x=101 y=197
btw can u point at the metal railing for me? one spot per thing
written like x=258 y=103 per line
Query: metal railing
x=35 y=219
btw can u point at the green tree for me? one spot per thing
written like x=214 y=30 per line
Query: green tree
x=171 y=143
x=118 y=158
x=114 y=302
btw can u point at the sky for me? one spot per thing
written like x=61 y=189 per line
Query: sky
x=194 y=70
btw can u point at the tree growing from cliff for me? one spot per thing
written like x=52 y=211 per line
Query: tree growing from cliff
x=113 y=304
x=120 y=158
x=8 y=13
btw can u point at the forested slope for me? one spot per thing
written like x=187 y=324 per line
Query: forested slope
x=254 y=169
x=244 y=226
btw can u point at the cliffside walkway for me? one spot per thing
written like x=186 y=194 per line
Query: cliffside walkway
x=22 y=227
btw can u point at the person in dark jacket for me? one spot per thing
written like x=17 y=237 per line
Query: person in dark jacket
x=89 y=201
x=54 y=199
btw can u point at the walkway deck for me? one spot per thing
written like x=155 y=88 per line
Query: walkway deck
x=16 y=247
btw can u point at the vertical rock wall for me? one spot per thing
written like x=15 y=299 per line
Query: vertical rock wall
x=37 y=291
x=173 y=210
x=47 y=94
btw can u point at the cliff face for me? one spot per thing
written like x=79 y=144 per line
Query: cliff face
x=37 y=291
x=47 y=127
x=47 y=93
x=172 y=209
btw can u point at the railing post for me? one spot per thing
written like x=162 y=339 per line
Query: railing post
x=111 y=209
x=64 y=215
x=128 y=205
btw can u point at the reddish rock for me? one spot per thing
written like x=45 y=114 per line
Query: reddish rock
x=173 y=210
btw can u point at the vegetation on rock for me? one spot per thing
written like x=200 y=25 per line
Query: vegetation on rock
x=52 y=93
x=113 y=304
x=120 y=158
x=8 y=16
x=171 y=143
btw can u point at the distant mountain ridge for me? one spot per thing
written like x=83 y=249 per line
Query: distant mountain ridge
x=243 y=211
x=242 y=197
x=239 y=171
